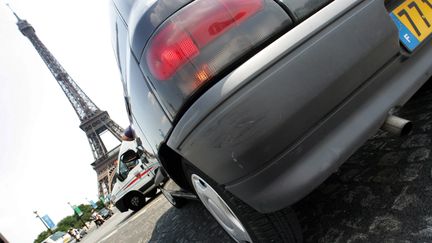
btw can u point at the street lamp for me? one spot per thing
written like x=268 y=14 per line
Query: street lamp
x=43 y=222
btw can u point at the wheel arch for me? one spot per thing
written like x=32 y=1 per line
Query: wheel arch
x=172 y=163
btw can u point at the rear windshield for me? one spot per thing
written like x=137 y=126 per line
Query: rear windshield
x=57 y=235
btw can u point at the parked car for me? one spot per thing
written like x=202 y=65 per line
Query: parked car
x=59 y=237
x=105 y=213
x=134 y=178
x=251 y=104
x=82 y=232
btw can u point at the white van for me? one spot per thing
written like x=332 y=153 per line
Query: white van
x=134 y=178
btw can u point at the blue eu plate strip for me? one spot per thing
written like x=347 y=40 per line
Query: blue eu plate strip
x=405 y=35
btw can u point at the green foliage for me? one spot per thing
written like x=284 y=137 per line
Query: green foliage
x=68 y=222
x=42 y=236
x=71 y=221
x=87 y=212
x=100 y=204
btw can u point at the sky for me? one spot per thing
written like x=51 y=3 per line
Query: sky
x=44 y=156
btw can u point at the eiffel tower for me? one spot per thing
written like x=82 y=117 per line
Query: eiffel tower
x=94 y=122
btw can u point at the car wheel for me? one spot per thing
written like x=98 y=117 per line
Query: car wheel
x=136 y=201
x=239 y=220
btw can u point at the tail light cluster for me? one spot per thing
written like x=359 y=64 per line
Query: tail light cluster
x=203 y=39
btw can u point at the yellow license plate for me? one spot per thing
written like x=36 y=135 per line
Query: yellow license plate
x=414 y=21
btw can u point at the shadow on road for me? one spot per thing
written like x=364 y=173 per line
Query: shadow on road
x=192 y=223
x=383 y=192
x=149 y=200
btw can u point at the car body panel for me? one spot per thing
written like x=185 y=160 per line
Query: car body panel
x=300 y=169
x=263 y=60
x=155 y=127
x=276 y=106
x=144 y=17
x=300 y=9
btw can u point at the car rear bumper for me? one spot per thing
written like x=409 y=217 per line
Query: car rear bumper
x=282 y=122
x=299 y=169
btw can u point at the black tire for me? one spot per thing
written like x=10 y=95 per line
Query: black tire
x=280 y=226
x=136 y=201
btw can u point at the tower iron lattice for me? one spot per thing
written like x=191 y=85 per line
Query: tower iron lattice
x=94 y=121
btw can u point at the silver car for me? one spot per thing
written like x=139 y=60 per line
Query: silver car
x=251 y=104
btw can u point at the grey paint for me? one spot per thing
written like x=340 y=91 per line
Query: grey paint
x=146 y=16
x=300 y=9
x=271 y=20
x=141 y=100
x=124 y=7
x=297 y=171
x=143 y=18
x=149 y=120
x=262 y=61
x=284 y=102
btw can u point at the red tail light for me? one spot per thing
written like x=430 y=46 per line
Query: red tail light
x=194 y=28
x=171 y=48
x=205 y=37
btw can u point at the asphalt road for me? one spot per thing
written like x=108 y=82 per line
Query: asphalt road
x=383 y=193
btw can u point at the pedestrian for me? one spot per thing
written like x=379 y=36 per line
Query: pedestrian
x=77 y=234
x=74 y=234
x=97 y=218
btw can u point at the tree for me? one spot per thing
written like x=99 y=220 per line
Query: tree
x=42 y=236
x=68 y=222
x=71 y=221
x=100 y=204
x=87 y=212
